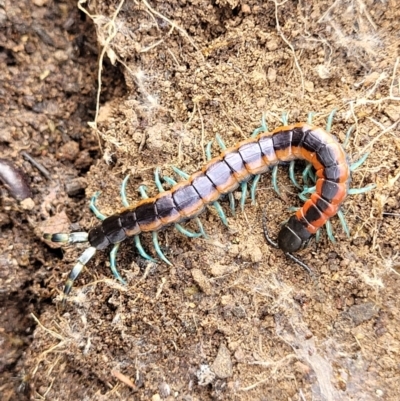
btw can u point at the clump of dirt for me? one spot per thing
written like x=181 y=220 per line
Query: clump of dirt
x=232 y=318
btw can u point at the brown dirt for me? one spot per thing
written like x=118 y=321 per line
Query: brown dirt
x=233 y=319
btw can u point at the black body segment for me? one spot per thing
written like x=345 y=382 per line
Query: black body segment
x=219 y=173
x=312 y=142
x=250 y=152
x=235 y=162
x=98 y=239
x=282 y=140
x=267 y=148
x=329 y=190
x=128 y=220
x=165 y=207
x=186 y=197
x=203 y=186
x=146 y=214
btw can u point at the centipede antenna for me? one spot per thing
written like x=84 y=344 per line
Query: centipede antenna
x=76 y=270
x=329 y=120
x=220 y=212
x=113 y=263
x=292 y=174
x=142 y=252
x=93 y=207
x=299 y=262
x=232 y=203
x=274 y=244
x=64 y=237
x=329 y=231
x=208 y=150
x=253 y=188
x=275 y=179
x=243 y=187
x=220 y=142
x=342 y=220
x=263 y=128
x=123 y=191
x=181 y=173
x=142 y=190
x=158 y=249
x=347 y=139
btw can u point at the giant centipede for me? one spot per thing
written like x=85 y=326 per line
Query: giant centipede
x=224 y=174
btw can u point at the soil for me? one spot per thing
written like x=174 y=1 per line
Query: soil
x=232 y=318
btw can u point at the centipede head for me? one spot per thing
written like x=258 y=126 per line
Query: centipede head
x=292 y=236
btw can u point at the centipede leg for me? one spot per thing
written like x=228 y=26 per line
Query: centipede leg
x=93 y=207
x=275 y=180
x=158 y=249
x=359 y=162
x=76 y=270
x=221 y=213
x=232 y=204
x=285 y=118
x=123 y=191
x=113 y=263
x=220 y=142
x=343 y=223
x=358 y=191
x=347 y=139
x=253 y=188
x=263 y=128
x=329 y=120
x=243 y=197
x=142 y=252
x=181 y=173
x=329 y=231
x=179 y=227
x=292 y=174
x=208 y=151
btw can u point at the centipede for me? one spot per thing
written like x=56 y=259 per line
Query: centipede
x=234 y=167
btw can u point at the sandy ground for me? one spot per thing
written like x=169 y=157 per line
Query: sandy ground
x=233 y=318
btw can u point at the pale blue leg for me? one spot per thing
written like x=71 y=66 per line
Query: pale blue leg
x=143 y=193
x=158 y=249
x=358 y=191
x=220 y=142
x=318 y=236
x=347 y=139
x=359 y=162
x=243 y=187
x=123 y=191
x=253 y=188
x=208 y=150
x=181 y=173
x=329 y=120
x=158 y=181
x=232 y=203
x=263 y=128
x=310 y=117
x=275 y=179
x=306 y=173
x=303 y=195
x=293 y=209
x=285 y=118
x=343 y=223
x=329 y=231
x=221 y=213
x=201 y=228
x=142 y=252
x=113 y=264
x=292 y=175
x=186 y=232
x=93 y=207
